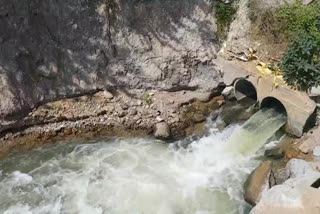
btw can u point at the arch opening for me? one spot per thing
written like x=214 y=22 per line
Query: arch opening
x=271 y=102
x=245 y=89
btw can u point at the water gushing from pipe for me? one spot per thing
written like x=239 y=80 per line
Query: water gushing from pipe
x=140 y=176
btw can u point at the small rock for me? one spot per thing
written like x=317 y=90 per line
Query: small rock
x=214 y=115
x=221 y=102
x=274 y=153
x=198 y=117
x=174 y=120
x=102 y=112
x=111 y=109
x=68 y=131
x=107 y=94
x=124 y=106
x=159 y=119
x=289 y=156
x=171 y=102
x=310 y=141
x=121 y=113
x=75 y=26
x=308 y=145
x=281 y=175
x=162 y=131
x=133 y=112
x=201 y=96
x=137 y=117
x=316 y=165
x=139 y=103
x=227 y=92
x=316 y=151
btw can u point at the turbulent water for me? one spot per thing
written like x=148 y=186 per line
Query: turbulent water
x=138 y=176
x=255 y=131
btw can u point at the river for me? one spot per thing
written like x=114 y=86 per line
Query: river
x=139 y=176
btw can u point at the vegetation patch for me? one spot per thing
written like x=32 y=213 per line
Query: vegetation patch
x=224 y=14
x=301 y=62
x=147 y=99
x=296 y=18
x=298 y=26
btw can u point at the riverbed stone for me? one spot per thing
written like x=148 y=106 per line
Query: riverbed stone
x=310 y=141
x=257 y=182
x=298 y=168
x=162 y=130
x=316 y=151
x=105 y=94
x=274 y=153
x=228 y=92
x=280 y=175
x=295 y=196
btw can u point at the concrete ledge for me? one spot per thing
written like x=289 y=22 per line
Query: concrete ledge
x=299 y=107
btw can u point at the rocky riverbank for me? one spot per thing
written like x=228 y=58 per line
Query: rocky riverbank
x=132 y=113
x=77 y=69
x=288 y=180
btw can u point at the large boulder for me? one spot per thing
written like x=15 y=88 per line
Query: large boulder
x=299 y=168
x=69 y=48
x=257 y=182
x=294 y=196
x=287 y=199
x=310 y=141
x=162 y=130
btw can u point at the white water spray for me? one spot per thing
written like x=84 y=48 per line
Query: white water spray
x=138 y=176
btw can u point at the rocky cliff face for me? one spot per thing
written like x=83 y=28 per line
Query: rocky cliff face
x=244 y=30
x=55 y=49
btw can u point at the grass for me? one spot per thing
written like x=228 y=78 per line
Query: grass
x=224 y=14
x=285 y=22
x=296 y=18
x=299 y=26
x=147 y=99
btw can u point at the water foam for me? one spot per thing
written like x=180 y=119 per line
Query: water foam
x=140 y=176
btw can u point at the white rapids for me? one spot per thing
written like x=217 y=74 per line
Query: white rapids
x=138 y=176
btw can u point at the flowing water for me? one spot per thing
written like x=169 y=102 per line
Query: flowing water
x=138 y=176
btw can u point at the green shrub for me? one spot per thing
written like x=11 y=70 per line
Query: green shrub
x=296 y=18
x=286 y=21
x=301 y=63
x=147 y=99
x=224 y=14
